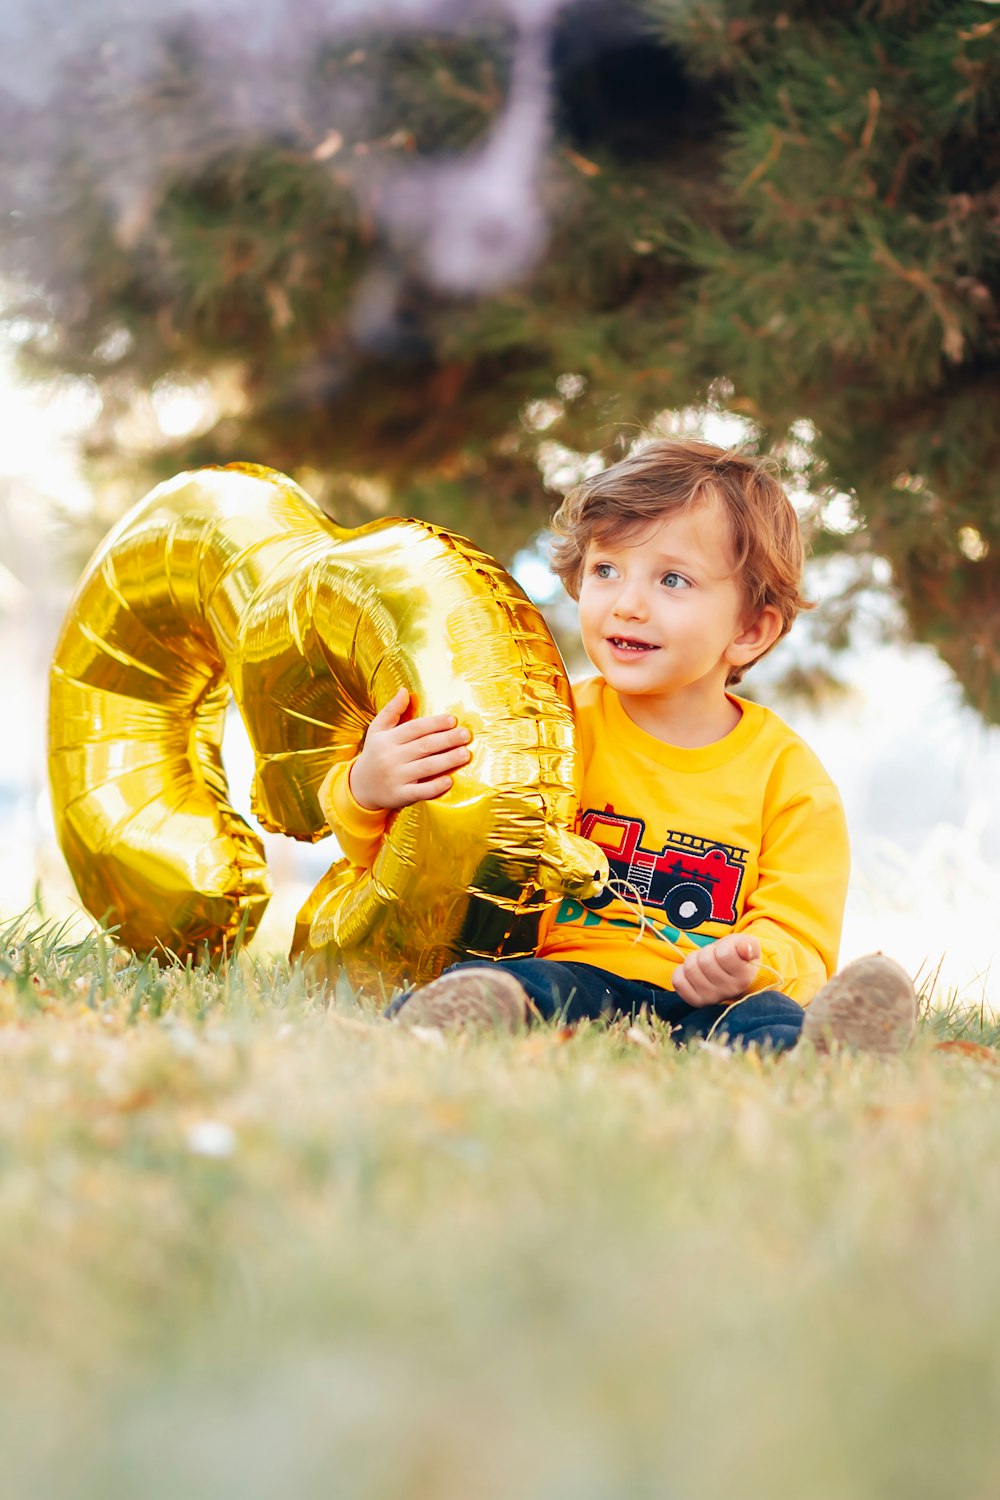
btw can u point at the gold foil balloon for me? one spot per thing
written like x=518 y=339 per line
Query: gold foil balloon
x=233 y=581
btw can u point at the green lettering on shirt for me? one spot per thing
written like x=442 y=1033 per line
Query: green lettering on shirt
x=573 y=911
x=569 y=910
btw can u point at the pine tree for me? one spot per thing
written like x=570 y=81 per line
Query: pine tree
x=789 y=212
x=850 y=273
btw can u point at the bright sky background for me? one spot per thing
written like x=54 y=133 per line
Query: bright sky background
x=919 y=773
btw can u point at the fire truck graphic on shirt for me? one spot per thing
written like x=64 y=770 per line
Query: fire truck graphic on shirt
x=692 y=880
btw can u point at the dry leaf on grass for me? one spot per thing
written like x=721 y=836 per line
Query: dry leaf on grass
x=975 y=1050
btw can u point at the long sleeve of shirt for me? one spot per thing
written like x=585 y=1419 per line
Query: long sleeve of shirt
x=358 y=830
x=795 y=908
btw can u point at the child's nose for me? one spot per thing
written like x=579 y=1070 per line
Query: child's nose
x=630 y=603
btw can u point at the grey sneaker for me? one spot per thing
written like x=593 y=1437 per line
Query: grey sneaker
x=870 y=1006
x=470 y=1000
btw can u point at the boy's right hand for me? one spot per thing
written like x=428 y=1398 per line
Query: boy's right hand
x=404 y=763
x=720 y=973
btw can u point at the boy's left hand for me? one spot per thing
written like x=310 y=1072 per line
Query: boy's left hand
x=722 y=972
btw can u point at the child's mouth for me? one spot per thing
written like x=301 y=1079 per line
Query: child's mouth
x=621 y=644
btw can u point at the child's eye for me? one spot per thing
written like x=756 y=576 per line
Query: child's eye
x=602 y=570
x=675 y=581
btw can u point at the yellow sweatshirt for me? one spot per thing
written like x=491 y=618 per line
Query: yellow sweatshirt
x=743 y=835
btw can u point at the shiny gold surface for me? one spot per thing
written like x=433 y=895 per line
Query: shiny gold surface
x=232 y=580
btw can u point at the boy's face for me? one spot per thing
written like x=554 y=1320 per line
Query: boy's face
x=661 y=611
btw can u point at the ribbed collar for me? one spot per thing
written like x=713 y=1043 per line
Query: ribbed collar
x=679 y=757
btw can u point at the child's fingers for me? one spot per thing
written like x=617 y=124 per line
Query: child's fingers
x=433 y=741
x=717 y=973
x=748 y=949
x=733 y=958
x=413 y=751
x=436 y=765
x=693 y=988
x=392 y=712
x=432 y=725
x=691 y=982
x=423 y=791
x=711 y=965
x=685 y=987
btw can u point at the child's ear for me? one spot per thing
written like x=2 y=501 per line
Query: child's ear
x=754 y=639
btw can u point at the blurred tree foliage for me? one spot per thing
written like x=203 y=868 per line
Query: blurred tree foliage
x=790 y=211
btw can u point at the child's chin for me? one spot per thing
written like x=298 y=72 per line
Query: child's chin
x=631 y=683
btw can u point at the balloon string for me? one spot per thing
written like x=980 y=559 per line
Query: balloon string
x=619 y=885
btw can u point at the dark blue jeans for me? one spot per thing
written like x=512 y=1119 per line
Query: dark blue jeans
x=569 y=992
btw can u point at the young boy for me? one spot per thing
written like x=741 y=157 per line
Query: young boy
x=725 y=837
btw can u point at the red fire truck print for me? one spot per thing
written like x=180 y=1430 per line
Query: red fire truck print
x=692 y=880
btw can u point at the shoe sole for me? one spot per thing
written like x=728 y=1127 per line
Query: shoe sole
x=475 y=1000
x=870 y=1006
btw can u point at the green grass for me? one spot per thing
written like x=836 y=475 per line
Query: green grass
x=259 y=1243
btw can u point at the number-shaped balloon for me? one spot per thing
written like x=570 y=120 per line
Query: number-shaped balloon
x=233 y=581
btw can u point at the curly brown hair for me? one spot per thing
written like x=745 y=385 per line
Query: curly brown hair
x=666 y=477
